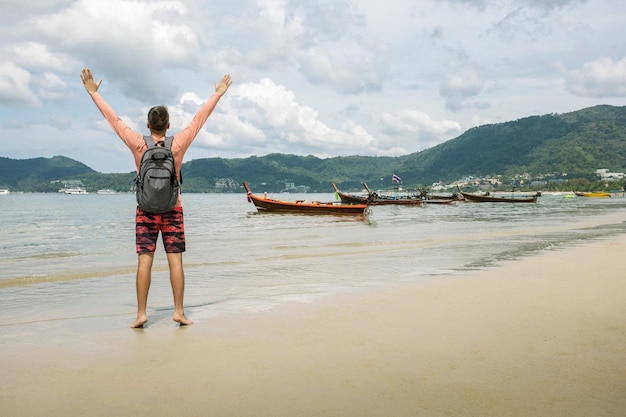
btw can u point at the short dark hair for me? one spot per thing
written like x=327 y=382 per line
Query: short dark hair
x=158 y=118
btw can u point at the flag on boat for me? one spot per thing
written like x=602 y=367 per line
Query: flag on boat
x=396 y=178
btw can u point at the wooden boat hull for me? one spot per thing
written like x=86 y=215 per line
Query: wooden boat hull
x=264 y=204
x=478 y=198
x=439 y=201
x=397 y=202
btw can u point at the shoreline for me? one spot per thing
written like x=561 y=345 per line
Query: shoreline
x=543 y=335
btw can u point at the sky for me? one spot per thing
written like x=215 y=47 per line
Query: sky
x=325 y=78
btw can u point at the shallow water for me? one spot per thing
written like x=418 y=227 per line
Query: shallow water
x=69 y=261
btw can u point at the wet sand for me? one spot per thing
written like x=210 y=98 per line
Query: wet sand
x=542 y=336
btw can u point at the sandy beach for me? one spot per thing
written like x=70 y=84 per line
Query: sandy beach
x=542 y=336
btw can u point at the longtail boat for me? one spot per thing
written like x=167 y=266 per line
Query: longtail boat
x=265 y=204
x=593 y=194
x=488 y=198
x=375 y=199
x=350 y=198
x=385 y=199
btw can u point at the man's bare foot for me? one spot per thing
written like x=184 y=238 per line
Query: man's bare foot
x=141 y=320
x=181 y=319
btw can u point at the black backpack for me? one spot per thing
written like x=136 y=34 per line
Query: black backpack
x=157 y=186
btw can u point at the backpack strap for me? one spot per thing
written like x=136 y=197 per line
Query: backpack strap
x=167 y=142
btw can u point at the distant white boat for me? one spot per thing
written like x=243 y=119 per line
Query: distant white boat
x=106 y=191
x=73 y=190
x=4 y=191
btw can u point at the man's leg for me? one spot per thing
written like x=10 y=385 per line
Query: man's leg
x=177 y=279
x=144 y=277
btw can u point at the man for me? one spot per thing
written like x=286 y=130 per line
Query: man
x=170 y=224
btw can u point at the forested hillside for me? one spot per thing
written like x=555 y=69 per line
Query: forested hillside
x=278 y=168
x=35 y=174
x=575 y=144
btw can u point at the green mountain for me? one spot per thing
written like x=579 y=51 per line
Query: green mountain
x=35 y=174
x=575 y=143
x=572 y=144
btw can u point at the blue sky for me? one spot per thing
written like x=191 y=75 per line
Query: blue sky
x=324 y=78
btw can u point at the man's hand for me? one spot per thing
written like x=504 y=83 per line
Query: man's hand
x=90 y=85
x=222 y=87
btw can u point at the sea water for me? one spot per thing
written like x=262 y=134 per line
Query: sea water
x=69 y=261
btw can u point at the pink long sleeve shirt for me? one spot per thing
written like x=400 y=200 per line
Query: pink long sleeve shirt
x=136 y=144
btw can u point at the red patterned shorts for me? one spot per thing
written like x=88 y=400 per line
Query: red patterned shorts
x=171 y=226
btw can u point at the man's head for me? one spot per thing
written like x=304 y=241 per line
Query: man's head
x=158 y=119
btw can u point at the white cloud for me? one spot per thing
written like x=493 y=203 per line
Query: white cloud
x=15 y=85
x=410 y=122
x=270 y=116
x=458 y=89
x=126 y=40
x=412 y=130
x=353 y=69
x=603 y=77
x=51 y=87
x=36 y=56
